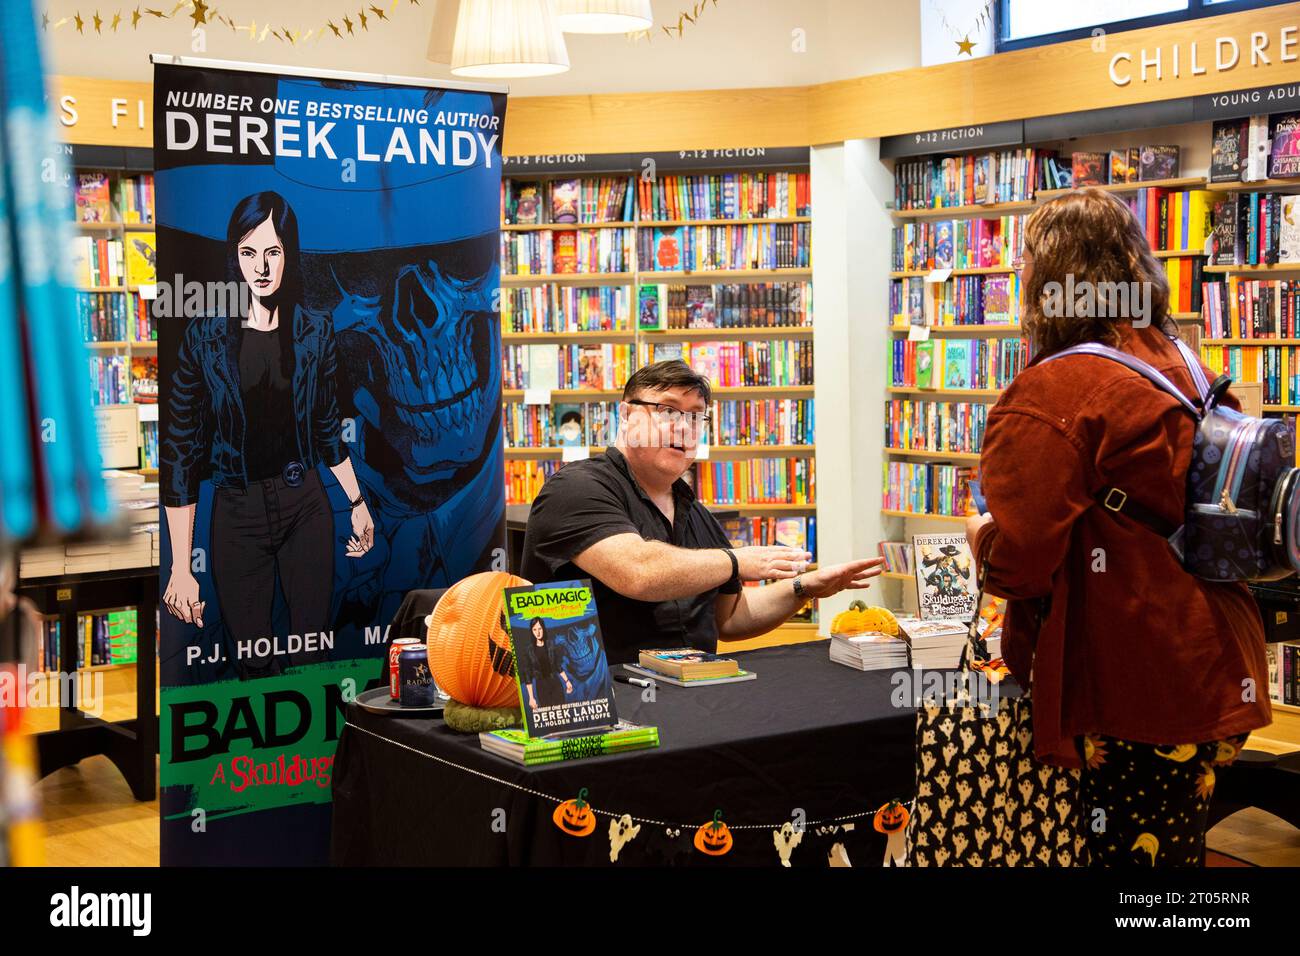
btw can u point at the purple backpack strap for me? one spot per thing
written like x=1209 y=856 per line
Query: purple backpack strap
x=1153 y=375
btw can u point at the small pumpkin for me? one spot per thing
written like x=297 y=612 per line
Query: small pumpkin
x=860 y=619
x=714 y=838
x=891 y=818
x=575 y=817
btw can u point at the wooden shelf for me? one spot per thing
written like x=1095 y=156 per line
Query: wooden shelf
x=1261 y=185
x=921 y=515
x=980 y=271
x=957 y=394
x=563 y=226
x=1185 y=316
x=1280 y=267
x=103 y=288
x=1181 y=182
x=962 y=329
x=751 y=508
x=709 y=276
x=764 y=391
x=989 y=210
x=1281 y=408
x=715 y=452
x=570 y=278
x=147 y=345
x=98 y=226
x=897 y=576
x=672 y=223
x=570 y=394
x=1176 y=253
x=1250 y=342
x=708 y=335
x=598 y=335
x=940 y=455
x=106 y=346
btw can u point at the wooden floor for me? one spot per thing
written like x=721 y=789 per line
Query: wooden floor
x=91 y=819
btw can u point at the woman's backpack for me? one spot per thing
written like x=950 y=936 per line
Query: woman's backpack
x=1242 y=520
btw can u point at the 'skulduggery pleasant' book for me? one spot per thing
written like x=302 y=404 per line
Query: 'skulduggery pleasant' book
x=934 y=644
x=514 y=744
x=565 y=688
x=686 y=663
x=639 y=671
x=945 y=576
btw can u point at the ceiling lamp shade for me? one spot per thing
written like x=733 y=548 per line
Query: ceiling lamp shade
x=507 y=39
x=603 y=16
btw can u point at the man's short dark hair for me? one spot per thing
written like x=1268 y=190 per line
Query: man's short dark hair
x=673 y=373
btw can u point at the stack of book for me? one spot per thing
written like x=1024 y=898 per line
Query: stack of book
x=516 y=745
x=687 y=667
x=871 y=651
x=41 y=562
x=935 y=644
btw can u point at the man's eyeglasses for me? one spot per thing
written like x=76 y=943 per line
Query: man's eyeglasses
x=666 y=415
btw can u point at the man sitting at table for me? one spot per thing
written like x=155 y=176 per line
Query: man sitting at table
x=663 y=571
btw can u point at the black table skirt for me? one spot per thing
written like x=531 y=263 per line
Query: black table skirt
x=807 y=735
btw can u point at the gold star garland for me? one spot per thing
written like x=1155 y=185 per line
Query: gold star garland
x=204 y=12
x=684 y=17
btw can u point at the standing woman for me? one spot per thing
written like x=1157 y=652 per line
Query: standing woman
x=252 y=404
x=549 y=683
x=1140 y=671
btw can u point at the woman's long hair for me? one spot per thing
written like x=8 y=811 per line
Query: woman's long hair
x=1093 y=236
x=251 y=212
x=546 y=637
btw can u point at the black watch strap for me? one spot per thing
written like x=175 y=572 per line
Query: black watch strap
x=735 y=566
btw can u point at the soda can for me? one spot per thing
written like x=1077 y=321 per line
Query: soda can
x=394 y=650
x=415 y=678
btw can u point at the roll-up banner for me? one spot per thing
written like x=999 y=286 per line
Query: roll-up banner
x=330 y=368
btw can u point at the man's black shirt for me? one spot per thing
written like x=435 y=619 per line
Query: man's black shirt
x=587 y=501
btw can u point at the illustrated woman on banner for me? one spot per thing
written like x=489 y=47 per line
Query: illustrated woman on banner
x=253 y=407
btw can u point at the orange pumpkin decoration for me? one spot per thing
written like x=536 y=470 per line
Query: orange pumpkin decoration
x=575 y=816
x=469 y=649
x=890 y=818
x=714 y=838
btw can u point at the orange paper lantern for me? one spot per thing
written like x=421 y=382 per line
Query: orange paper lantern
x=469 y=649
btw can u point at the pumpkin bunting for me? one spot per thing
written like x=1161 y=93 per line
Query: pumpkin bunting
x=714 y=838
x=891 y=820
x=575 y=817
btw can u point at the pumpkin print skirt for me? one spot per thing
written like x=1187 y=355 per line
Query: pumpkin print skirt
x=1146 y=804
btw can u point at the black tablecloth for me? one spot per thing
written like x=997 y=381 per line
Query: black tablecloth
x=807 y=735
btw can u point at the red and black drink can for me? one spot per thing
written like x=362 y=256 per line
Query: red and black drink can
x=415 y=680
x=394 y=650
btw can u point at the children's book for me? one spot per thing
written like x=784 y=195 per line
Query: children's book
x=564 y=200
x=93 y=201
x=956 y=363
x=1089 y=169
x=945 y=577
x=141 y=258
x=1158 y=162
x=514 y=744
x=565 y=687
x=1288 y=240
x=668 y=250
x=1284 y=158
x=650 y=312
x=1227 y=150
x=925 y=364
x=527 y=204
x=570 y=425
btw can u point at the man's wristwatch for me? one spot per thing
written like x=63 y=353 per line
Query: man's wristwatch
x=799 y=591
x=735 y=566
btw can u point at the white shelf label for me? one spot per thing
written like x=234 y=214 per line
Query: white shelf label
x=148 y=413
x=702 y=451
x=537 y=396
x=574 y=453
x=918 y=333
x=148 y=291
x=938 y=275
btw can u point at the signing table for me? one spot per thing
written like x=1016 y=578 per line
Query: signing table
x=808 y=740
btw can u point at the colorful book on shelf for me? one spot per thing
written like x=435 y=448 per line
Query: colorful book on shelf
x=94 y=203
x=925 y=364
x=650 y=312
x=1089 y=169
x=956 y=363
x=1288 y=242
x=945 y=576
x=527 y=203
x=144 y=379
x=565 y=195
x=141 y=258
x=1227 y=150
x=550 y=626
x=566 y=251
x=516 y=745
x=1284 y=155
x=1157 y=162
x=668 y=249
